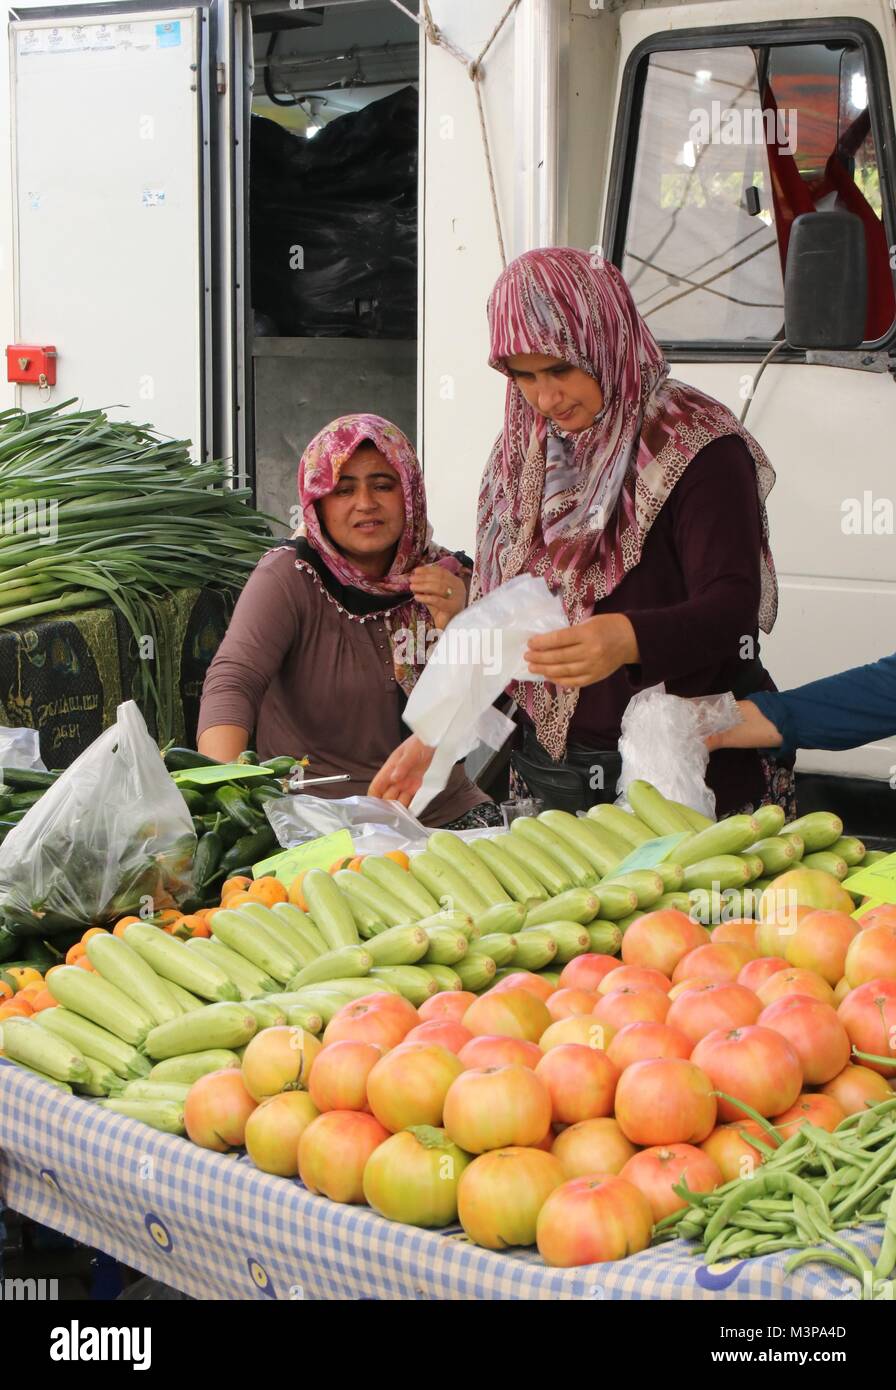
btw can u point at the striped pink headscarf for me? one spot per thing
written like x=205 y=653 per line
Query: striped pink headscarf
x=319 y=470
x=576 y=508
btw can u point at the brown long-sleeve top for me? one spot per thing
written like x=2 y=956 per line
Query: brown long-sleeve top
x=311 y=678
x=693 y=601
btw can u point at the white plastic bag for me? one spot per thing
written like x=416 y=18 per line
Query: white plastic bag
x=110 y=836
x=375 y=826
x=662 y=741
x=477 y=656
x=20 y=748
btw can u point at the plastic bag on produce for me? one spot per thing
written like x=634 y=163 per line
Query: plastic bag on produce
x=20 y=748
x=662 y=741
x=375 y=826
x=111 y=836
x=478 y=654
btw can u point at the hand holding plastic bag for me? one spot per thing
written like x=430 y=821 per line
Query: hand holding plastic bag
x=477 y=656
x=662 y=741
x=110 y=836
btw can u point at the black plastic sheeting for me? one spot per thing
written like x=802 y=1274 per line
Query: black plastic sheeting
x=334 y=224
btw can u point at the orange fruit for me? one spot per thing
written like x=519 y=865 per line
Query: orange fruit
x=23 y=975
x=268 y=891
x=190 y=926
x=16 y=1008
x=166 y=918
x=237 y=899
x=355 y=863
x=82 y=963
x=74 y=953
x=295 y=894
x=399 y=856
x=5 y=991
x=171 y=927
x=93 y=931
x=235 y=885
x=43 y=999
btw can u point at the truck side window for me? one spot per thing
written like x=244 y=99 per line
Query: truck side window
x=734 y=143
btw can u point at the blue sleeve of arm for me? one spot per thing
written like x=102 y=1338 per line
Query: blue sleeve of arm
x=838 y=712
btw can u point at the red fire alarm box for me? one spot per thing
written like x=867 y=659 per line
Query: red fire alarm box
x=30 y=365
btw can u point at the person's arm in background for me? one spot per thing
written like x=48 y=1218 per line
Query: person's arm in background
x=836 y=713
x=264 y=627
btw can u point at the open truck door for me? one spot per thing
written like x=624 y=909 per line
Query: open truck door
x=109 y=134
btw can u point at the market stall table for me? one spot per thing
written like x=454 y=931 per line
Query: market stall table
x=214 y=1227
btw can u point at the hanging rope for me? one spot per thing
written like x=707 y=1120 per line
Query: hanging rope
x=476 y=74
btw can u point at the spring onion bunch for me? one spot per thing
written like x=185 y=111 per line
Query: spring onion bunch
x=133 y=520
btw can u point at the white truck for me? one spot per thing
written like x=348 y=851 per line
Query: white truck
x=679 y=140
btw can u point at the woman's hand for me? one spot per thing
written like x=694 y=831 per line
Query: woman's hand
x=401 y=776
x=443 y=593
x=588 y=652
x=753 y=731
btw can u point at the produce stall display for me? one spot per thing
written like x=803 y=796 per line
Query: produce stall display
x=586 y=1037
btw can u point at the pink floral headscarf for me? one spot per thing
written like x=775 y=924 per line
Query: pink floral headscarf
x=319 y=470
x=576 y=508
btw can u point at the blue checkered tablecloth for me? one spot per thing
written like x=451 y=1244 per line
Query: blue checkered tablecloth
x=213 y=1226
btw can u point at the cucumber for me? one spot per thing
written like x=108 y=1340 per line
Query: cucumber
x=401 y=884
x=498 y=945
x=249 y=980
x=451 y=887
x=185 y=759
x=446 y=947
x=300 y=1016
x=672 y=875
x=582 y=834
x=655 y=811
x=266 y=1014
x=616 y=901
x=828 y=862
x=172 y=960
x=510 y=873
x=301 y=925
x=850 y=849
x=770 y=819
x=399 y=946
x=874 y=856
x=248 y=850
x=350 y=989
x=535 y=948
x=797 y=841
x=819 y=829
x=101 y=1002
x=460 y=856
x=147 y=1089
x=576 y=866
x=539 y=862
x=255 y=943
x=188 y=1002
x=346 y=962
x=329 y=909
x=358 y=890
x=209 y=852
x=729 y=836
x=604 y=938
x=118 y=963
x=93 y=1041
x=22 y=1041
x=623 y=824
x=462 y=921
x=188 y=1067
x=295 y=946
x=444 y=976
x=612 y=846
x=647 y=886
x=218 y=1025
x=166 y=1115
x=571 y=937
x=507 y=917
x=678 y=900
x=721 y=871
x=754 y=864
x=695 y=819
x=103 y=1081
x=476 y=973
x=415 y=984
x=776 y=854
x=576 y=905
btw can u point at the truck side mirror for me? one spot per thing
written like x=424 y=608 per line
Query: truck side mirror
x=826 y=281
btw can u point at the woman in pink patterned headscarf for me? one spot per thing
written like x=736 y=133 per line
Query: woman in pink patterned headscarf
x=333 y=629
x=641 y=502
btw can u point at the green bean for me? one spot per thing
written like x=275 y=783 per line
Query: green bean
x=753 y=1114
x=883 y=1163
x=767 y=1182
x=728 y=1244
x=750 y=1222
x=768 y=1247
x=671 y=1220
x=822 y=1256
x=886 y=1258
